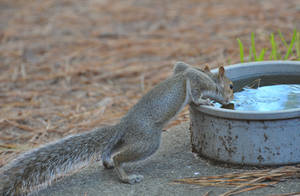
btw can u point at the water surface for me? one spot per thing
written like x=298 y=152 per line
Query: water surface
x=268 y=98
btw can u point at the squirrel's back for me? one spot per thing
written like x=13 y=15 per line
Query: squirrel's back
x=160 y=104
x=39 y=167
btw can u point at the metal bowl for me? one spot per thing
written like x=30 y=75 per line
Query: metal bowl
x=250 y=137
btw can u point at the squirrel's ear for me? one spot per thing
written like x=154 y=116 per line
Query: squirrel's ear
x=221 y=71
x=206 y=68
x=180 y=67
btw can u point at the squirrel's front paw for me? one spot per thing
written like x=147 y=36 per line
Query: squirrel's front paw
x=132 y=179
x=208 y=102
x=204 y=102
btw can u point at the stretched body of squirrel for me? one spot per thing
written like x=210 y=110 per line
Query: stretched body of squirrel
x=135 y=137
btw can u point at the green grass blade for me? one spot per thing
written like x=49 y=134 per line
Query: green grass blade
x=275 y=55
x=282 y=39
x=253 y=46
x=274 y=47
x=288 y=52
x=261 y=55
x=241 y=50
x=298 y=45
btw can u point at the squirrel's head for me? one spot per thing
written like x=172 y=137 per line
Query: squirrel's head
x=224 y=84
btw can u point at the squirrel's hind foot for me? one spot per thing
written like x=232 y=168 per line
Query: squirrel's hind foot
x=133 y=179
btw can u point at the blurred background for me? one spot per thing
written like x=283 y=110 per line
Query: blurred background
x=67 y=66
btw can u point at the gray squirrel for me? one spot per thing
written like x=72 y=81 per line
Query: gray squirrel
x=134 y=138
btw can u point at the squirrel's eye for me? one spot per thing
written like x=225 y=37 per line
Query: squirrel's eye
x=231 y=86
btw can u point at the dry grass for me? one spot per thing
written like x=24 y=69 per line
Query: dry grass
x=67 y=66
x=246 y=181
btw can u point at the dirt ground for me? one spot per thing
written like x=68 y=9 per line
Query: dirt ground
x=67 y=66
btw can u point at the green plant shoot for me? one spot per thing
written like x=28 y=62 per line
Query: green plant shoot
x=298 y=45
x=290 y=47
x=282 y=38
x=274 y=47
x=241 y=50
x=261 y=55
x=275 y=55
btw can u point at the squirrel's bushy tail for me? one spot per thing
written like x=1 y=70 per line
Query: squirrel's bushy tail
x=38 y=168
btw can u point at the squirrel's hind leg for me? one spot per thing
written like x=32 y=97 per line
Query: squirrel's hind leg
x=131 y=152
x=113 y=146
x=107 y=160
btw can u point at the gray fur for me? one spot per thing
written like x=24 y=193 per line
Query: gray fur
x=38 y=168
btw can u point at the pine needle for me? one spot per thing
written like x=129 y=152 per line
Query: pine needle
x=245 y=181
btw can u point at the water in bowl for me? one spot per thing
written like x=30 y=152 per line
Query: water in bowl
x=268 y=98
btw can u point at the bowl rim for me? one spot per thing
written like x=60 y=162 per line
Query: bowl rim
x=252 y=115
